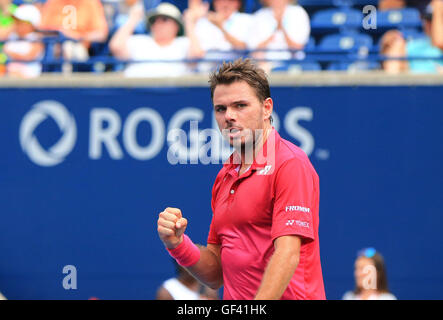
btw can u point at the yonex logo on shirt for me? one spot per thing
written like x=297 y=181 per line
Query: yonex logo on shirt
x=303 y=224
x=265 y=170
x=297 y=208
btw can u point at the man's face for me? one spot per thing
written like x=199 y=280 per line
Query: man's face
x=240 y=115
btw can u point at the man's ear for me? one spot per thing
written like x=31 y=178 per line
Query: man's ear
x=268 y=106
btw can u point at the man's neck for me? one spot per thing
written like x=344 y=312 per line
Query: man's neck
x=246 y=159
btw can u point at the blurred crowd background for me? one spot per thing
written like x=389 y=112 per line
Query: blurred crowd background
x=153 y=38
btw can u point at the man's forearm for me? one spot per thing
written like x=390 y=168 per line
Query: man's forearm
x=208 y=269
x=280 y=268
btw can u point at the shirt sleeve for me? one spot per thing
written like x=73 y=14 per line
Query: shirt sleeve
x=294 y=203
x=213 y=236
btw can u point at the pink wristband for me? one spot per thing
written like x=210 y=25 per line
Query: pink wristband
x=187 y=253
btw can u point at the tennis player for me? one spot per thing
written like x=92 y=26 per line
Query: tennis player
x=263 y=240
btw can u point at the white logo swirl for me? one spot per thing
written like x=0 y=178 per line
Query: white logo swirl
x=30 y=145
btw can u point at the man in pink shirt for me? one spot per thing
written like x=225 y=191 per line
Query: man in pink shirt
x=263 y=240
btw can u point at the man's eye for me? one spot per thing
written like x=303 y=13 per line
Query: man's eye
x=242 y=105
x=220 y=109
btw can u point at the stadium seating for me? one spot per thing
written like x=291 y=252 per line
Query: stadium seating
x=345 y=42
x=410 y=34
x=336 y=3
x=337 y=18
x=298 y=67
x=354 y=66
x=403 y=18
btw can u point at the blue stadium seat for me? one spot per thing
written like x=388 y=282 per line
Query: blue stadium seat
x=336 y=3
x=345 y=42
x=402 y=18
x=310 y=45
x=410 y=34
x=337 y=18
x=298 y=67
x=354 y=66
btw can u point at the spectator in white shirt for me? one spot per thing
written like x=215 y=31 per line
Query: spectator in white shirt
x=223 y=30
x=280 y=25
x=164 y=43
x=25 y=44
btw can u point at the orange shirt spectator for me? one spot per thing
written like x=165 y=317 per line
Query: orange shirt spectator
x=78 y=19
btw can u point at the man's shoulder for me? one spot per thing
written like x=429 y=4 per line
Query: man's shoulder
x=289 y=151
x=290 y=156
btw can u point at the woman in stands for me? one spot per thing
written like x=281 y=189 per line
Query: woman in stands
x=371 y=282
x=281 y=25
x=224 y=29
x=430 y=45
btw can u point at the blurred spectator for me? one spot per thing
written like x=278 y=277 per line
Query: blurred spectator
x=184 y=287
x=24 y=43
x=371 y=282
x=6 y=21
x=419 y=4
x=82 y=20
x=430 y=46
x=435 y=14
x=2 y=297
x=223 y=29
x=164 y=43
x=398 y=4
x=393 y=45
x=279 y=26
x=123 y=16
x=391 y=4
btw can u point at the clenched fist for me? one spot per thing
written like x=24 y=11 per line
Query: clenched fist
x=171 y=226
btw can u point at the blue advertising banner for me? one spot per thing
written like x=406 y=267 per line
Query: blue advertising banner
x=84 y=173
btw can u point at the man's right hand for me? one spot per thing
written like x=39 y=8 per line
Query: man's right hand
x=171 y=226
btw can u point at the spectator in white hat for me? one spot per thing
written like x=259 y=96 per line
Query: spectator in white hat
x=25 y=43
x=164 y=43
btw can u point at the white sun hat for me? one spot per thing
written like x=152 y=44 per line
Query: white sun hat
x=28 y=13
x=168 y=10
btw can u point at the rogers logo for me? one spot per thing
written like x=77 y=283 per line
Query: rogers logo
x=29 y=142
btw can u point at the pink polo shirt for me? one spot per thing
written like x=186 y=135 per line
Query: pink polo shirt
x=277 y=196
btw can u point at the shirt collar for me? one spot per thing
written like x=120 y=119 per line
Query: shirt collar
x=266 y=155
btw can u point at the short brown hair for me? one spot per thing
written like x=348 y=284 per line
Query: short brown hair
x=241 y=70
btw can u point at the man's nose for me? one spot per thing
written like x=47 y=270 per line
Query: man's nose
x=230 y=114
